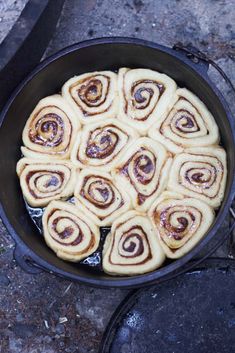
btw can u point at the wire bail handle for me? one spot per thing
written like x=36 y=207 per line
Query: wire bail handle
x=195 y=55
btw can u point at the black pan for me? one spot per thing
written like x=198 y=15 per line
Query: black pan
x=46 y=79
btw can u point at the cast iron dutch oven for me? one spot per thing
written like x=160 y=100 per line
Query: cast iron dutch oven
x=101 y=54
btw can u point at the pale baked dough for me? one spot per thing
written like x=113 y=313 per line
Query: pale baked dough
x=132 y=246
x=44 y=181
x=180 y=222
x=187 y=123
x=201 y=173
x=50 y=130
x=144 y=96
x=100 y=196
x=93 y=96
x=99 y=145
x=71 y=234
x=143 y=171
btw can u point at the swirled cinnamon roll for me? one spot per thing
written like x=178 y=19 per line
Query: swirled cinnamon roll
x=44 y=181
x=132 y=247
x=99 y=145
x=201 y=173
x=188 y=123
x=143 y=171
x=68 y=232
x=50 y=130
x=100 y=197
x=144 y=96
x=180 y=222
x=93 y=96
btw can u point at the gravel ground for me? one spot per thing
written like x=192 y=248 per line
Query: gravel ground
x=46 y=314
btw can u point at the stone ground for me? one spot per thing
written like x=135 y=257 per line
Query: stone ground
x=44 y=313
x=9 y=12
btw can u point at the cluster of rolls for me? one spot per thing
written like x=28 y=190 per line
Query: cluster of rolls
x=138 y=154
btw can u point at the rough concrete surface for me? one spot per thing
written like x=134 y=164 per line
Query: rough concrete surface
x=9 y=12
x=44 y=313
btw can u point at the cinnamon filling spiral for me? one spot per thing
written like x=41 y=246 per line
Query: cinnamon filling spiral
x=102 y=142
x=100 y=196
x=144 y=95
x=144 y=166
x=184 y=122
x=47 y=129
x=66 y=231
x=177 y=224
x=98 y=191
x=50 y=129
x=92 y=92
x=202 y=177
x=93 y=96
x=200 y=172
x=140 y=169
x=180 y=222
x=132 y=244
x=43 y=183
x=69 y=232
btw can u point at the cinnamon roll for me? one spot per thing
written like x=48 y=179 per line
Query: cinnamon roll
x=100 y=197
x=188 y=123
x=93 y=95
x=43 y=181
x=69 y=232
x=180 y=222
x=99 y=145
x=50 y=130
x=143 y=171
x=144 y=96
x=132 y=247
x=201 y=173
